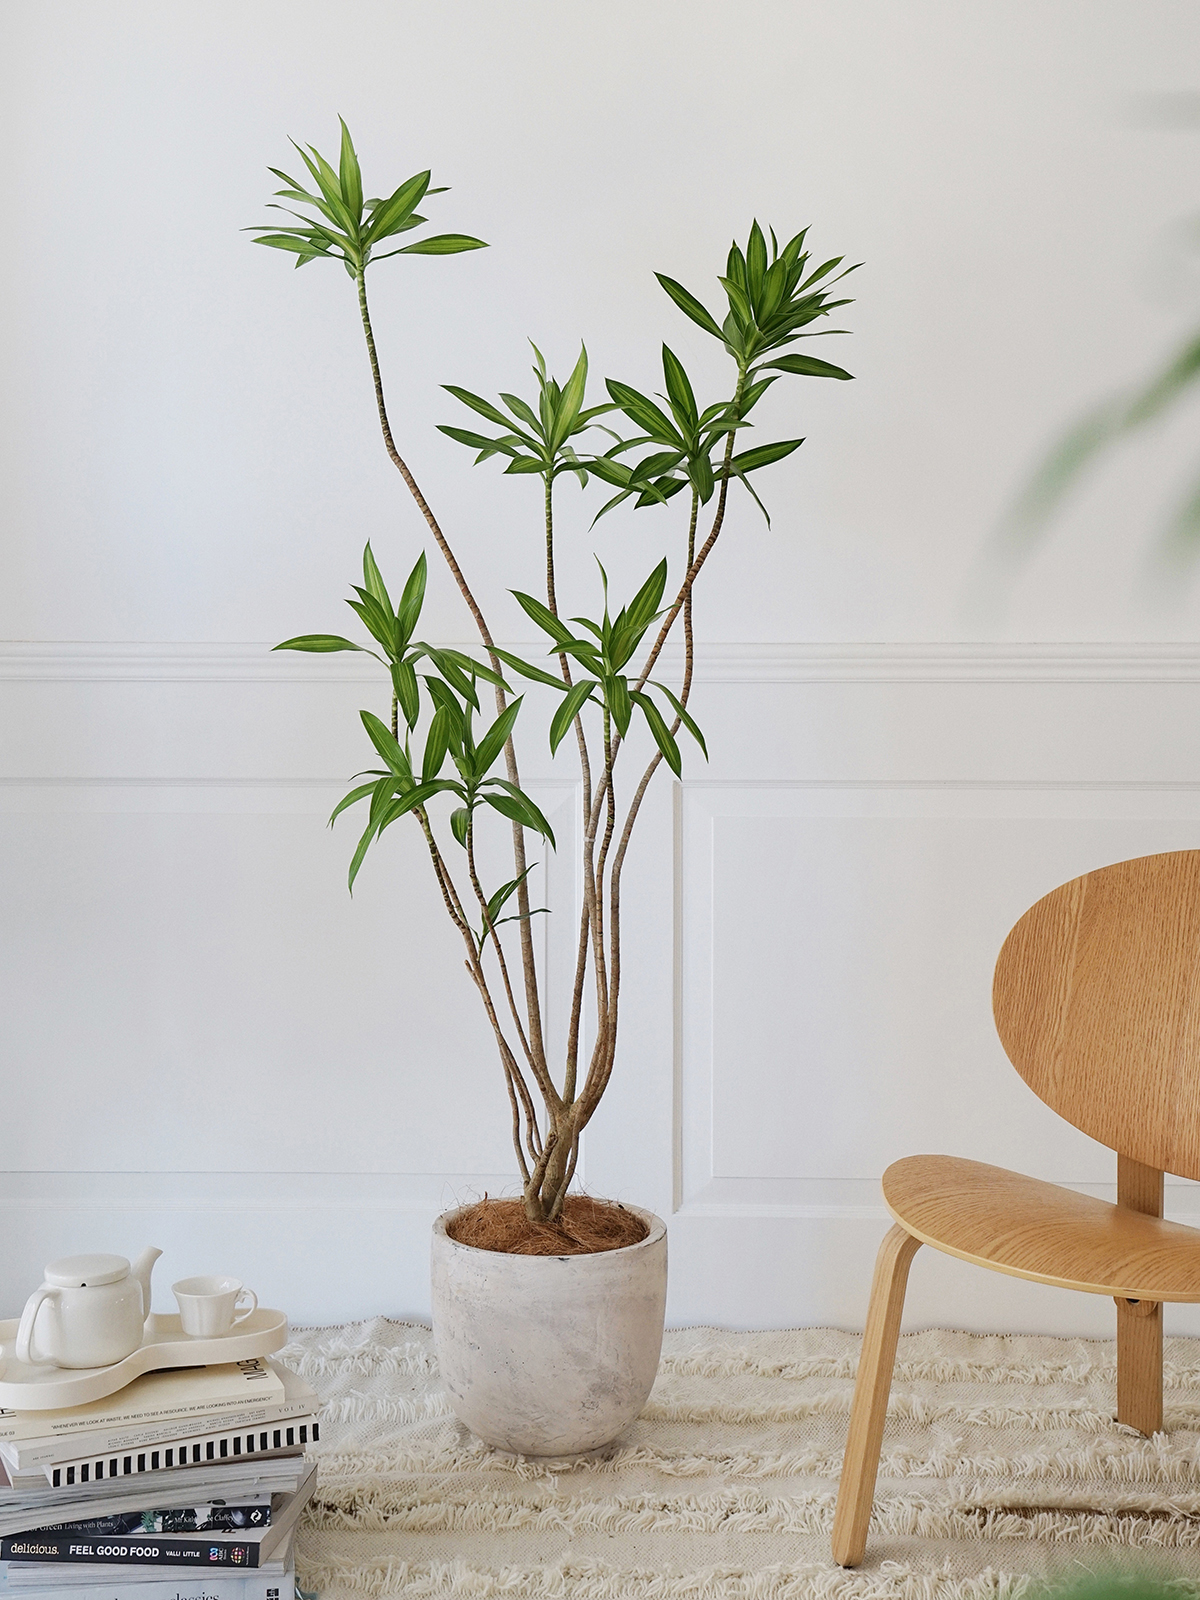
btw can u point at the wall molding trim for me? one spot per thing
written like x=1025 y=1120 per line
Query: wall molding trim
x=201 y=662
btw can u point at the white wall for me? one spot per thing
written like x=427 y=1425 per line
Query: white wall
x=205 y=1041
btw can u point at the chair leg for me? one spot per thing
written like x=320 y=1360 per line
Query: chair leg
x=861 y=1463
x=1140 y=1365
x=1139 y=1322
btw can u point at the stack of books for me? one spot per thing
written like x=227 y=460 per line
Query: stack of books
x=185 y=1485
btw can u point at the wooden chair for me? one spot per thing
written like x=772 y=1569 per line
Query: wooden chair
x=1097 y=1003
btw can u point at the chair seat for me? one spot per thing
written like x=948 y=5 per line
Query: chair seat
x=1037 y=1230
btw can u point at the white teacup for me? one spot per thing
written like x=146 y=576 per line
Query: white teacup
x=208 y=1305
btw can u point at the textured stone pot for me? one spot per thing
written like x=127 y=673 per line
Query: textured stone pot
x=549 y=1355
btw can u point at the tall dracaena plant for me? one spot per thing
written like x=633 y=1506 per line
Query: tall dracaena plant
x=605 y=667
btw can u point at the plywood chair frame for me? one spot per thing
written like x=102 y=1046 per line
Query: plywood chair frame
x=1097 y=1003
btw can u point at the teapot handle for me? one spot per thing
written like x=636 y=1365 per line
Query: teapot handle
x=24 y=1350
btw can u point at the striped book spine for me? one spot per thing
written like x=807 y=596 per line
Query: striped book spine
x=292 y=1435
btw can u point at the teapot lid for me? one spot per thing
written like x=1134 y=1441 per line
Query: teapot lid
x=81 y=1272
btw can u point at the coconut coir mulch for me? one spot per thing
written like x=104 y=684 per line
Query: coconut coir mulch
x=585 y=1227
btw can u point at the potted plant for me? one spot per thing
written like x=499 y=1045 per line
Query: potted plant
x=548 y=1310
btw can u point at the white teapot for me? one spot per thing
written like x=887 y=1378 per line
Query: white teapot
x=90 y=1312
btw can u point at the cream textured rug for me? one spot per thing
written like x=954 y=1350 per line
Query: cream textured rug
x=1001 y=1466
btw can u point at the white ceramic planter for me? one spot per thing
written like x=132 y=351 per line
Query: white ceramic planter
x=549 y=1355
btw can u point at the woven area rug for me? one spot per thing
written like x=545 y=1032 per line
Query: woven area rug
x=1002 y=1467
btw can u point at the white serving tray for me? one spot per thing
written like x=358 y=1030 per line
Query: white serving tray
x=25 y=1387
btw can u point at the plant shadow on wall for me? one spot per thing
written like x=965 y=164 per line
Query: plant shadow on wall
x=450 y=766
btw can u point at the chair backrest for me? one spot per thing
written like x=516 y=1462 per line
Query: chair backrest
x=1097 y=1003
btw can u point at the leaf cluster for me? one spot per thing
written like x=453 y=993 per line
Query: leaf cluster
x=401 y=787
x=538 y=441
x=772 y=301
x=452 y=691
x=346 y=227
x=601 y=656
x=392 y=629
x=771 y=304
x=686 y=439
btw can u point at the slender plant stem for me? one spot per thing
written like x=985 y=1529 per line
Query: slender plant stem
x=490 y=933
x=529 y=965
x=602 y=1063
x=458 y=917
x=697 y=562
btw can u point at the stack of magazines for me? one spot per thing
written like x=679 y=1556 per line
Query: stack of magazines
x=185 y=1485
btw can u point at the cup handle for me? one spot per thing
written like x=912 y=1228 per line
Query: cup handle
x=24 y=1350
x=250 y=1309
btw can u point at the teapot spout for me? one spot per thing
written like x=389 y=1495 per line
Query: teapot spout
x=141 y=1270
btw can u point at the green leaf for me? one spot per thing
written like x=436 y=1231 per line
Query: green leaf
x=616 y=697
x=610 y=504
x=484 y=407
x=349 y=175
x=351 y=799
x=642 y=410
x=662 y=734
x=373 y=579
x=774 y=288
x=570 y=402
x=690 y=306
x=738 y=302
x=609 y=471
x=653 y=466
x=379 y=623
x=743 y=479
x=413 y=798
x=289 y=241
x=360 y=851
x=679 y=387
x=701 y=474
x=527 y=671
x=409 y=610
x=764 y=455
x=525 y=464
x=454 y=675
x=497 y=736
x=754 y=392
x=437 y=744
x=404 y=684
x=330 y=186
x=518 y=807
x=442 y=695
x=684 y=716
x=505 y=892
x=468 y=664
x=822 y=271
x=808 y=367
x=736 y=267
x=643 y=608
x=442 y=244
x=476 y=441
x=392 y=215
x=497 y=903
x=544 y=617
x=460 y=824
x=321 y=643
x=583 y=651
x=574 y=699
x=524 y=413
x=657 y=493
x=381 y=737
x=756 y=263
